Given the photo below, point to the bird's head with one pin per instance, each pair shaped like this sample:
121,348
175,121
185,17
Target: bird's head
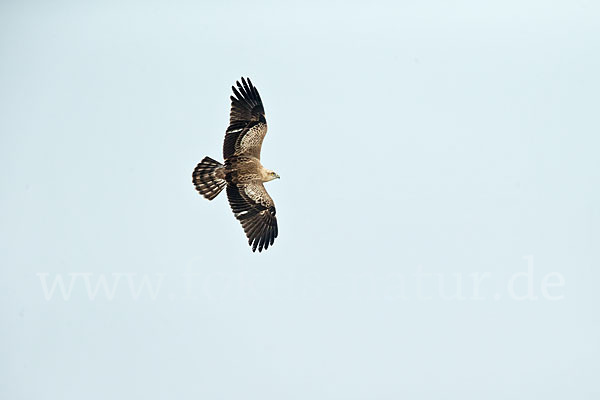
271,175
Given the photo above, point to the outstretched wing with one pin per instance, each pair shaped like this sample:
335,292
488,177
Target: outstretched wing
255,209
247,123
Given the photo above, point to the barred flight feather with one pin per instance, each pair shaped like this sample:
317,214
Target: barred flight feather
205,178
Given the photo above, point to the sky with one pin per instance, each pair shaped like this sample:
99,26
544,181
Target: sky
438,207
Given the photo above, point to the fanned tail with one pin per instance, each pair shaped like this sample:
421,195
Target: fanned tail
209,178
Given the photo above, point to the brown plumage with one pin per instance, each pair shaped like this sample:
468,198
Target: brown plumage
242,173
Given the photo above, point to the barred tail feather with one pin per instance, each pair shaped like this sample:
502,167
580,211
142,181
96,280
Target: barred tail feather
208,178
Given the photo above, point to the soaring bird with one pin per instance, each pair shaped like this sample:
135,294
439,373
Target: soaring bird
242,173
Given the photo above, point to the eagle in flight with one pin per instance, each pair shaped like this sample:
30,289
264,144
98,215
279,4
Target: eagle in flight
242,173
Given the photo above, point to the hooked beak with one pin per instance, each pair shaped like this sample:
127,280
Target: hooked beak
277,176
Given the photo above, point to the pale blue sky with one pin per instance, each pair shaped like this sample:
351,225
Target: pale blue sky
419,143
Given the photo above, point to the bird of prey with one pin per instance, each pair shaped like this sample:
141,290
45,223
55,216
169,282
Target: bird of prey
242,173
